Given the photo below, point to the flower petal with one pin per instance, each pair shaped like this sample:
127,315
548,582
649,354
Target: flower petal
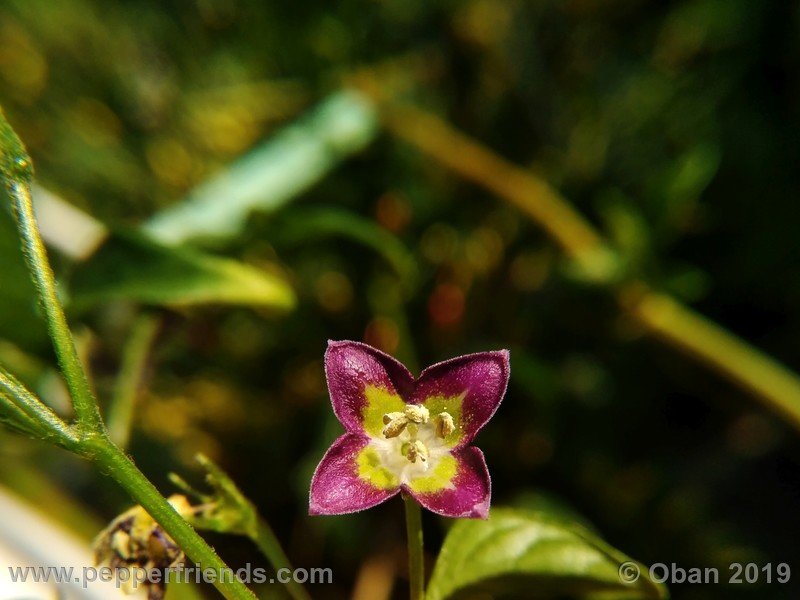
350,478
469,387
466,494
364,384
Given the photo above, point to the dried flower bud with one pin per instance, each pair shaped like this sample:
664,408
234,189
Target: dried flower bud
135,541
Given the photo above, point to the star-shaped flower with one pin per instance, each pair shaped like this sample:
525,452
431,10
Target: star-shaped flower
408,434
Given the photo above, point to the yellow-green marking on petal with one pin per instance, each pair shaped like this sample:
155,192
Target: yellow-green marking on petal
380,401
406,433
439,478
452,406
372,470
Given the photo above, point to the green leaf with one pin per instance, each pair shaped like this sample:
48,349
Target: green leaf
272,174
532,554
128,266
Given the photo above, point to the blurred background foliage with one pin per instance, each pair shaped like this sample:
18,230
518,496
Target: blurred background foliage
220,128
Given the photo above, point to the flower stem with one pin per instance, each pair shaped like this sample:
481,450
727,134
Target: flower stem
416,562
119,467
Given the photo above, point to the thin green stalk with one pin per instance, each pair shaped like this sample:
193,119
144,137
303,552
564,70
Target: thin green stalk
771,383
229,511
33,412
114,462
416,559
268,544
17,172
93,441
719,349
18,184
12,417
129,379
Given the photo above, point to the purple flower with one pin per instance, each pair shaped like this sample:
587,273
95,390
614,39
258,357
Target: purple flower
408,434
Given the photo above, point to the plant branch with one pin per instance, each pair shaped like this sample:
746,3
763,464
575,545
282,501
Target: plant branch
713,345
17,172
114,462
228,510
531,195
92,442
12,417
23,407
662,317
83,400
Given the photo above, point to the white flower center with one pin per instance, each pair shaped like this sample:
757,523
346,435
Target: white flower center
413,442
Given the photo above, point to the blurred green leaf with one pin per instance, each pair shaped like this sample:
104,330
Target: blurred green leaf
531,554
272,174
688,283
627,227
599,266
128,266
692,172
314,224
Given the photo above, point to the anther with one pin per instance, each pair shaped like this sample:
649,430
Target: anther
417,413
417,450
444,425
395,424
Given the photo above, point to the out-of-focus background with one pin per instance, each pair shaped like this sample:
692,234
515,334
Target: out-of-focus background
231,131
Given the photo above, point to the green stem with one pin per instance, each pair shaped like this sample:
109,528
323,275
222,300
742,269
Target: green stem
12,417
32,412
268,544
770,382
36,256
93,441
416,559
134,362
229,511
713,345
113,461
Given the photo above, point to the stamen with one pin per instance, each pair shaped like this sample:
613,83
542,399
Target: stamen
417,413
404,449
417,450
444,425
392,416
414,418
395,424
